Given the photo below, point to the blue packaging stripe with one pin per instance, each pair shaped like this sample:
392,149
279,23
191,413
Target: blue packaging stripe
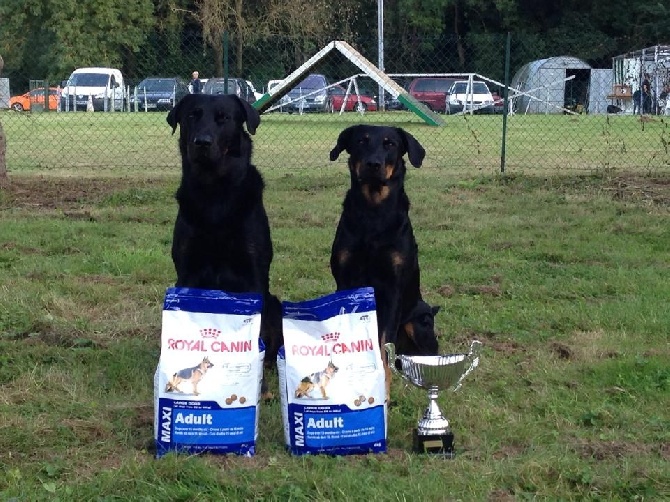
246,449
326,307
199,426
337,430
212,301
362,449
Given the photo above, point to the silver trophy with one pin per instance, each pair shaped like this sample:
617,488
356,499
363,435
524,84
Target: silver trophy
433,433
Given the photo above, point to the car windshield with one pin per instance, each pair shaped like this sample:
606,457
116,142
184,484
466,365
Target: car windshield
89,80
312,82
462,88
480,88
157,84
442,85
218,86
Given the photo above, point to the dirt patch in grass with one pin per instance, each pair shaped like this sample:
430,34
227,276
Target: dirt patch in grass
68,194
496,341
638,188
603,450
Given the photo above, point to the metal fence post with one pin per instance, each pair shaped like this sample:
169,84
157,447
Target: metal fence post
505,104
225,62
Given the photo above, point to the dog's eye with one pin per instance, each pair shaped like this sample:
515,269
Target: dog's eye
222,118
195,114
364,140
389,143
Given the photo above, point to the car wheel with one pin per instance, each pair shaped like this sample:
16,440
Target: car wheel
329,106
361,107
17,107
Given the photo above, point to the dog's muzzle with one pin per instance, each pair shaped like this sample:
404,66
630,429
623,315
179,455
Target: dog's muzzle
203,140
372,171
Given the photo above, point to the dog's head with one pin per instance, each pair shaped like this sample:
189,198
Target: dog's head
206,364
211,128
376,153
331,369
416,335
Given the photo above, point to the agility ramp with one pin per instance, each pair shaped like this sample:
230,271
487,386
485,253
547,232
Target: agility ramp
369,69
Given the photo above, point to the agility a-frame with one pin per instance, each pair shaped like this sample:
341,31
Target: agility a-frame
369,69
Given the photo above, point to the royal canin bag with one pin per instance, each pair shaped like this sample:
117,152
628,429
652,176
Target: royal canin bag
207,384
331,376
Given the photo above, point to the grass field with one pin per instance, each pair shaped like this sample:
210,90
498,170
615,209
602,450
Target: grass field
563,275
101,142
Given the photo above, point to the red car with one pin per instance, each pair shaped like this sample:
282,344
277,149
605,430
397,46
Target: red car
432,91
354,103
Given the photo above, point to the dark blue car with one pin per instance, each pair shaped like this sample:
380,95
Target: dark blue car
159,93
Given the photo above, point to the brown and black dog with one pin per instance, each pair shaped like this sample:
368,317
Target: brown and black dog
320,379
374,244
221,235
192,375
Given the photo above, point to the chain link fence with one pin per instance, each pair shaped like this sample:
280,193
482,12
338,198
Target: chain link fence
561,112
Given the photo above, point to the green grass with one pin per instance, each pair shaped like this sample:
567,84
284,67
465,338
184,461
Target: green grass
100,143
564,277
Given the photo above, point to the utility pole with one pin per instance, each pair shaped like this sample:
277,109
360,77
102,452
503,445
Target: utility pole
380,49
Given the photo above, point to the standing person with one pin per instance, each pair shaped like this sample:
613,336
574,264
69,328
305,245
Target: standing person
196,85
646,98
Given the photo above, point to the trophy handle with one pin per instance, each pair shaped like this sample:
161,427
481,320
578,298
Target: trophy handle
390,352
472,360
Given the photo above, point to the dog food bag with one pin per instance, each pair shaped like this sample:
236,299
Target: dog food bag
331,376
207,385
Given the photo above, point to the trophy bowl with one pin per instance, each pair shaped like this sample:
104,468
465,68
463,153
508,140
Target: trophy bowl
434,373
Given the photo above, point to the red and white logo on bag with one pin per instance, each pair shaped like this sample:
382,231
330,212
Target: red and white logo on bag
207,342
210,332
331,345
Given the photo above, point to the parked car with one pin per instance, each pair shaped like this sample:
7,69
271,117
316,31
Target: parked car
314,90
358,103
237,86
25,101
465,98
432,91
104,87
159,93
391,103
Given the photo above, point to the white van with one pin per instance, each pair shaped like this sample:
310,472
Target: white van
104,86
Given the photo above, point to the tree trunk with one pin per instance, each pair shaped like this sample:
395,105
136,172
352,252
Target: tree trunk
241,30
218,57
3,147
459,42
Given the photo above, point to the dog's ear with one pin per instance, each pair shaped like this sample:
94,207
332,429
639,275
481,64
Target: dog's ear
174,117
253,118
343,141
435,310
415,151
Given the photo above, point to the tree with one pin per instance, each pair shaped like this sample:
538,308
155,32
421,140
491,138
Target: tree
52,37
307,24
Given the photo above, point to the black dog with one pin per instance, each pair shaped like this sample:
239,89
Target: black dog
222,236
374,244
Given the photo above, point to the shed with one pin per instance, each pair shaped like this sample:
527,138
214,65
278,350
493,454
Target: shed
552,85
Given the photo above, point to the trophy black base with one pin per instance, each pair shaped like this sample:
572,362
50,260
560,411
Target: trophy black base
434,444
